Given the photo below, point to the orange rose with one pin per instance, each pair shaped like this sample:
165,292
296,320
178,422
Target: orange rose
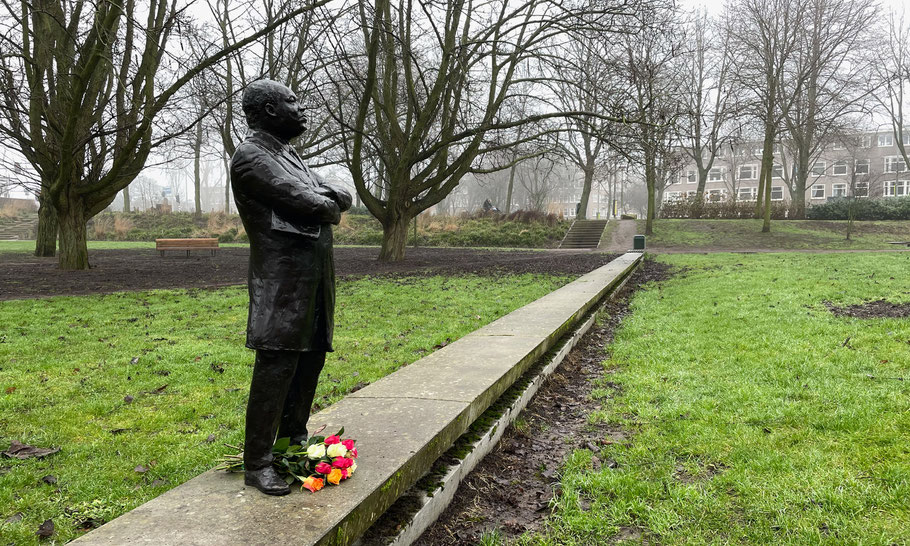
313,483
335,476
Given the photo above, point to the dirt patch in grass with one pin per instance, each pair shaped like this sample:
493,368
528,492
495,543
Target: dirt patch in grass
510,490
23,276
872,309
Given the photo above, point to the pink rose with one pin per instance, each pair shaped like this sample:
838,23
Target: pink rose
323,468
353,453
332,440
342,462
349,444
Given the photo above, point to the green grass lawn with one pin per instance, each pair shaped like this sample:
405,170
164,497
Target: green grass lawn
754,415
68,364
29,246
785,234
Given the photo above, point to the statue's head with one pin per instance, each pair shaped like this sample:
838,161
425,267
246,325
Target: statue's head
272,107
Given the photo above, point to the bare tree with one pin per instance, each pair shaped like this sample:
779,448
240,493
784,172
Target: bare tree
430,82
892,81
709,98
85,87
764,35
825,83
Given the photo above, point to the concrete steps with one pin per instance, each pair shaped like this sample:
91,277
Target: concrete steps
403,423
19,227
584,234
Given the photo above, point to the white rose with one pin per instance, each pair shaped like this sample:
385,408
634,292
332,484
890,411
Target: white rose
337,450
315,451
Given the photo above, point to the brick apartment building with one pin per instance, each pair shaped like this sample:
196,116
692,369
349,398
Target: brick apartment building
874,157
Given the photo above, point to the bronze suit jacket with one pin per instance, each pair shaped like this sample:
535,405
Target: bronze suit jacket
287,211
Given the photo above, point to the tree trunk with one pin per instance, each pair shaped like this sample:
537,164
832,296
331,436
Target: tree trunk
394,239
586,190
227,185
511,184
126,199
766,224
197,175
46,237
73,241
649,182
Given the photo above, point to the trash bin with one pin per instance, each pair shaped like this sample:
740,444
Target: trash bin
638,242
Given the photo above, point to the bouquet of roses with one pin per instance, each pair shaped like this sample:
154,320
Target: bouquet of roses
322,459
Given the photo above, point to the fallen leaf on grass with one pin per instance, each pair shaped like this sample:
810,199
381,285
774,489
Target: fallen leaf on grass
210,439
17,517
128,399
134,360
118,431
159,390
46,529
140,469
49,479
10,390
158,482
19,450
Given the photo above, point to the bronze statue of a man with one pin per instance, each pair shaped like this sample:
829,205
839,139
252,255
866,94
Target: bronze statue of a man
287,211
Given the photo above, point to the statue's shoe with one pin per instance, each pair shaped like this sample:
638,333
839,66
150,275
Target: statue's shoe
266,480
299,440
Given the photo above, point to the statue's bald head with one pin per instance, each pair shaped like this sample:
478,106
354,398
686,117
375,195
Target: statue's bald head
255,98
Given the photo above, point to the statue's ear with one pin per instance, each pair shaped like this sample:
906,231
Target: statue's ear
269,109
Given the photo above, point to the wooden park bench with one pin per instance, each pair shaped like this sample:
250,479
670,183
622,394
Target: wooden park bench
905,243
205,243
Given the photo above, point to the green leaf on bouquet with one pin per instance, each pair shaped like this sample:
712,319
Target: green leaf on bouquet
281,445
340,432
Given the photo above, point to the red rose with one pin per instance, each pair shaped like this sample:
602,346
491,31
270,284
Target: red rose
349,444
323,468
354,453
332,440
342,462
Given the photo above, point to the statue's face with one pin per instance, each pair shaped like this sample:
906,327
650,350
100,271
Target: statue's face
286,114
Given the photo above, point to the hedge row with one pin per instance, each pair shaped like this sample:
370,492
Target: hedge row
727,210
885,208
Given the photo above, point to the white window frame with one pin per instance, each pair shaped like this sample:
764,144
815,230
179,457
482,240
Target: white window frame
906,138
777,189
779,169
720,193
865,141
839,190
837,145
892,162
753,172
818,166
748,194
861,164
839,168
861,189
720,174
897,188
817,191
885,141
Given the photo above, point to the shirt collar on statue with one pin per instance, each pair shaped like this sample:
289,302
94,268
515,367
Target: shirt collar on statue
273,143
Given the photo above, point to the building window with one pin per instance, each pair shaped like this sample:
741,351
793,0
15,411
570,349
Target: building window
748,194
716,174
748,172
716,195
839,168
896,188
672,196
861,166
839,190
885,140
818,191
777,193
895,164
865,141
691,177
861,189
777,171
906,139
837,145
818,168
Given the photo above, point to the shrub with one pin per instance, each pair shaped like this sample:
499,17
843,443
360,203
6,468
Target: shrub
726,210
885,208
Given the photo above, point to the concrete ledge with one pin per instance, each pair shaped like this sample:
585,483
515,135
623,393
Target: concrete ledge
402,423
